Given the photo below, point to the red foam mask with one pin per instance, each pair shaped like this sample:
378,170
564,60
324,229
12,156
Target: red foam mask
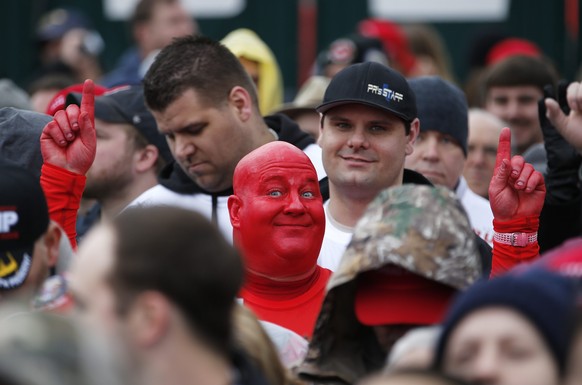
277,212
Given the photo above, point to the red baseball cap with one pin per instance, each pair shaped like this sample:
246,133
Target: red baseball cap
393,295
511,47
59,101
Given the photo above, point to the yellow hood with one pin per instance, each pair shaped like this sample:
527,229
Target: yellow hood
246,43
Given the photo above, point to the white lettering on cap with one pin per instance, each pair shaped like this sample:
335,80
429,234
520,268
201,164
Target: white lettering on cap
385,92
7,219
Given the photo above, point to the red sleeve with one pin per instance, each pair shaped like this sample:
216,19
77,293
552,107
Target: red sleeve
505,257
63,190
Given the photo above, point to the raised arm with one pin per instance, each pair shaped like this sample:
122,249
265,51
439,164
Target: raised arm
516,195
68,145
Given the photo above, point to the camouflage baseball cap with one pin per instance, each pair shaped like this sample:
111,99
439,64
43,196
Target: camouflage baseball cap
422,229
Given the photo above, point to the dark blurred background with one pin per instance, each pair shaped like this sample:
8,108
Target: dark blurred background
297,29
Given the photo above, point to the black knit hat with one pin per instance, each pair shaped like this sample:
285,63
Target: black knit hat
545,299
441,107
372,84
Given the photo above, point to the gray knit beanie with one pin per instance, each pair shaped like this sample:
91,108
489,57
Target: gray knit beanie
442,107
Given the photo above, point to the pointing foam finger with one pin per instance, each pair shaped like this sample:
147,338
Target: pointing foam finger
88,99
504,147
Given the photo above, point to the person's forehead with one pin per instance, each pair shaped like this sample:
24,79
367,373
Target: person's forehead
483,131
300,168
494,321
362,111
514,91
162,9
186,109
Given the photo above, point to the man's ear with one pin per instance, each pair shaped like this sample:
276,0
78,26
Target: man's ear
240,100
414,130
51,241
149,318
146,158
234,206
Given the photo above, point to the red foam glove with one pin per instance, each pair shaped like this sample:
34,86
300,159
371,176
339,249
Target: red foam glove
506,257
516,189
69,140
516,195
63,191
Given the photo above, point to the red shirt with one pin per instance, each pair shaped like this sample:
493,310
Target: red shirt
296,312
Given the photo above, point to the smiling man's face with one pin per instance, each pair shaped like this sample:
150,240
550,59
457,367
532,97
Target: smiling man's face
364,147
277,211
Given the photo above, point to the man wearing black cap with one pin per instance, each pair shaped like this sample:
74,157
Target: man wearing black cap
29,241
368,127
130,151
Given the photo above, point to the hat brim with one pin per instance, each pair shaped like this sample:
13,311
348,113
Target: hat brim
422,306
293,109
104,109
324,107
14,267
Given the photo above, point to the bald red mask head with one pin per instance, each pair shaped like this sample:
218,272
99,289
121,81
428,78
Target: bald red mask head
277,212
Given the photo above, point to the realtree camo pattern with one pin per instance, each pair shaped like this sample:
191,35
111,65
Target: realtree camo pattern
423,229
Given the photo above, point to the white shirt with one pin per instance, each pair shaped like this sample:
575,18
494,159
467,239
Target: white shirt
478,209
335,241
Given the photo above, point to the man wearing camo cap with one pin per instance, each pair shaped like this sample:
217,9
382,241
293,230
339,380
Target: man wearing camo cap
411,252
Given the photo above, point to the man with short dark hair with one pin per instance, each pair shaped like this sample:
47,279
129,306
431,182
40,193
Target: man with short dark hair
206,105
163,281
511,91
368,126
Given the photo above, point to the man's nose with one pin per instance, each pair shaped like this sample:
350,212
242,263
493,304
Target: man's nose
486,368
358,139
430,149
183,148
512,110
294,204
476,156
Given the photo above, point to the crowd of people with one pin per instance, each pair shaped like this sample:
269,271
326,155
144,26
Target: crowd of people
175,222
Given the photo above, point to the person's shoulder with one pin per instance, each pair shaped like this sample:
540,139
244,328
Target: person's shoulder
159,195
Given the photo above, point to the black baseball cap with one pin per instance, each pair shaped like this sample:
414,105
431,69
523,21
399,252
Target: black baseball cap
23,219
126,105
372,84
